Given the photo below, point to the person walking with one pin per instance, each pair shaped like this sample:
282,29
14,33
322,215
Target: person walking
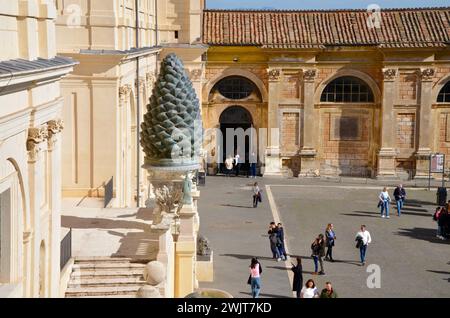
318,252
256,195
442,220
253,161
228,166
384,202
273,239
328,291
281,245
331,238
437,217
400,196
255,277
297,283
309,290
237,164
363,239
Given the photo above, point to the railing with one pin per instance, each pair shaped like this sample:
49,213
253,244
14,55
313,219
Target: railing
66,249
109,188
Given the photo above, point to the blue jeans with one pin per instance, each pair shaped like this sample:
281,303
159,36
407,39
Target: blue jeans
256,286
316,263
385,207
253,169
399,207
362,253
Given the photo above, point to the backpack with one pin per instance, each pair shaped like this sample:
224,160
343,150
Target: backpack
436,215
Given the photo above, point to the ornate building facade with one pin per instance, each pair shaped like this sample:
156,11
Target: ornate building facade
30,149
338,94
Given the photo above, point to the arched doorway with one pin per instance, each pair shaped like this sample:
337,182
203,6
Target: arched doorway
236,122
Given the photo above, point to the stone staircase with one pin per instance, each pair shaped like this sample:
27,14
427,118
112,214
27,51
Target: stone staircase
105,277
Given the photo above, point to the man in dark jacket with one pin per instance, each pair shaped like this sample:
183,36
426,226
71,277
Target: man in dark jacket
328,292
281,247
400,195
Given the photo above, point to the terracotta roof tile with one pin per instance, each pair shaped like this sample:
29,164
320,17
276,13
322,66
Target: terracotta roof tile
424,27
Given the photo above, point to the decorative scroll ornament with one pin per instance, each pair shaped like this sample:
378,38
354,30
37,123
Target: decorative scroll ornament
427,74
36,136
124,91
389,74
196,75
54,127
151,78
309,75
274,75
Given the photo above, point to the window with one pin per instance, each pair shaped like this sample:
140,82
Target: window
236,87
176,35
444,94
347,89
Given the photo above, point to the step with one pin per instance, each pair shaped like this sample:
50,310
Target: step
106,259
107,266
106,282
110,296
85,273
102,291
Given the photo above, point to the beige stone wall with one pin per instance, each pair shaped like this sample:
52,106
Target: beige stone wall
30,153
27,29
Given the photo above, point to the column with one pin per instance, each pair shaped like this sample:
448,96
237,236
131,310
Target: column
308,154
426,129
55,128
387,154
35,147
272,155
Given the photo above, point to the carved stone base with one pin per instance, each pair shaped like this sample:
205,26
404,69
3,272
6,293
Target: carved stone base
272,162
422,163
386,164
309,166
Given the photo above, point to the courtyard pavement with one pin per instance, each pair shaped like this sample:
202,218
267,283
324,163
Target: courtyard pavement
412,261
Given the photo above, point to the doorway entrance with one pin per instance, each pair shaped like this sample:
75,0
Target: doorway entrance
235,122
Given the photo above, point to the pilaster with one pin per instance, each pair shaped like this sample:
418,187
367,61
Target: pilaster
308,154
387,154
426,129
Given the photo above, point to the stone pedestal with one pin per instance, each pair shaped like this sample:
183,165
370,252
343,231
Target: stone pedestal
422,164
169,219
309,166
272,162
185,255
386,164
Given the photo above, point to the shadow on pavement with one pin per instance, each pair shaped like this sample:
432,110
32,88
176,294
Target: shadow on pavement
249,257
236,206
266,295
98,223
422,234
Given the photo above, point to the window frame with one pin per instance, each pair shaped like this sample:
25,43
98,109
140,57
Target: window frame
347,90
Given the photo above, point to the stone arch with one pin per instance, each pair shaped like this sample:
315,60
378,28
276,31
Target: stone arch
439,86
236,72
25,216
349,72
245,115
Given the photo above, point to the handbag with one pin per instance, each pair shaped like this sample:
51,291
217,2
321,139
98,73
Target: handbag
249,281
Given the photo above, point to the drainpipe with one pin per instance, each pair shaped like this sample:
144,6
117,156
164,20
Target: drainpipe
138,111
156,24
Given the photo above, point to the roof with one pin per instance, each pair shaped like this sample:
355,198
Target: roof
400,28
13,67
